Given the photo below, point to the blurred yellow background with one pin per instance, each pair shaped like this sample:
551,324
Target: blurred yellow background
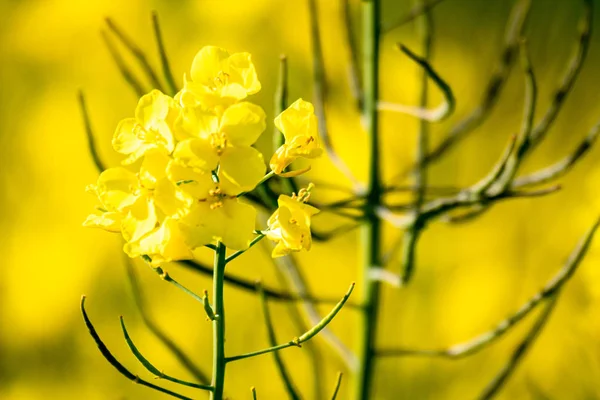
468,278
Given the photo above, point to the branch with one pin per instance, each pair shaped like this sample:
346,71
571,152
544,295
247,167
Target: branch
160,335
291,271
151,368
432,115
164,60
561,167
251,286
296,342
320,94
90,133
126,73
353,74
285,376
116,364
418,10
479,342
137,53
520,351
338,383
468,124
569,77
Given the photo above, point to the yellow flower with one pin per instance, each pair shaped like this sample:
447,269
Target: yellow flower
219,78
217,214
136,203
164,244
289,226
152,127
211,139
298,124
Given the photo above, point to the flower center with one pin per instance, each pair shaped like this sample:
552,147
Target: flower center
219,81
216,197
148,135
218,141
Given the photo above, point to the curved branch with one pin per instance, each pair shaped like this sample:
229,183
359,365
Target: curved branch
151,368
116,364
479,342
432,115
306,336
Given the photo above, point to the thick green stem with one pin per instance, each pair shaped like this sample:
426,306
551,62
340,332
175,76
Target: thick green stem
370,231
218,378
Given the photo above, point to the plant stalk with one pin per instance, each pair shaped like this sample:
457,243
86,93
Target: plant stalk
218,378
371,230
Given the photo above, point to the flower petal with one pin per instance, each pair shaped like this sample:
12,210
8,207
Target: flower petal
238,221
109,221
163,244
153,168
242,72
152,108
197,153
243,123
170,199
116,188
125,140
140,220
201,225
193,181
197,122
207,64
243,166
298,119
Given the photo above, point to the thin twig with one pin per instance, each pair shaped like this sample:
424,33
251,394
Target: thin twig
250,286
290,270
137,53
520,351
485,339
432,115
295,314
116,364
353,74
411,234
156,331
238,253
418,10
570,75
92,147
151,368
561,167
164,60
338,383
126,73
283,372
468,124
306,336
320,94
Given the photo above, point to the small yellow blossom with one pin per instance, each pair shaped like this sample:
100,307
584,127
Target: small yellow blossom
135,203
164,244
219,78
210,139
289,226
298,124
152,127
216,214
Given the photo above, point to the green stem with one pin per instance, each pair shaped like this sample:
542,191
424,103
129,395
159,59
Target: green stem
218,378
240,252
370,231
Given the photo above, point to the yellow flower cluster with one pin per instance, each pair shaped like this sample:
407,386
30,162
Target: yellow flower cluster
189,158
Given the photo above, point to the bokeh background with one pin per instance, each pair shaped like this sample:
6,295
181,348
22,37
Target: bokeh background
468,278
